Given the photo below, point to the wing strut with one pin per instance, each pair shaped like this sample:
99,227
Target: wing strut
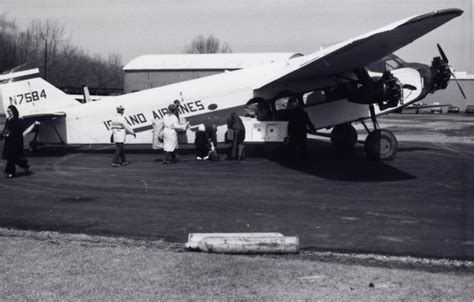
373,117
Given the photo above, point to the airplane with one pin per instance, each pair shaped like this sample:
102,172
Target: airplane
337,86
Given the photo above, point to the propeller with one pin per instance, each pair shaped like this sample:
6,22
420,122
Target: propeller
445,58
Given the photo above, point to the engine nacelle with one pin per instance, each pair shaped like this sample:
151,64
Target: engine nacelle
441,74
386,91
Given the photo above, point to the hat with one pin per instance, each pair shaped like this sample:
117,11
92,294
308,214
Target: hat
120,108
171,108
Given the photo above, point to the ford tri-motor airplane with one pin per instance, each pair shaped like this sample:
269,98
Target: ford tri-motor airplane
338,86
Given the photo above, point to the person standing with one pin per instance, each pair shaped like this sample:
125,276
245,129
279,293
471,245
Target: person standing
299,124
176,104
211,131
120,129
201,142
13,148
236,127
157,132
171,126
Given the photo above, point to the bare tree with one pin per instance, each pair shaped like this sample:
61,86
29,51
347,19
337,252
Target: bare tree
43,40
6,23
43,45
209,44
8,43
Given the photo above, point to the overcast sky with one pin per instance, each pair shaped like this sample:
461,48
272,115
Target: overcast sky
135,27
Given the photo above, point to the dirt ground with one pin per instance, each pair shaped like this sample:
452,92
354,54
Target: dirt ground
49,266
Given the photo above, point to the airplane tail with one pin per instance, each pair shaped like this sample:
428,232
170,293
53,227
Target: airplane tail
31,94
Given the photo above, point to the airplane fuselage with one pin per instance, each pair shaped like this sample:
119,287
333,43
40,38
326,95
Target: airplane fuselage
198,105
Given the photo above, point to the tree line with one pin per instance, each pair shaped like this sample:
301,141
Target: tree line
43,44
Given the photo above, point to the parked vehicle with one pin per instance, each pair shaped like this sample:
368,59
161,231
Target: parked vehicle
415,107
436,108
470,109
453,109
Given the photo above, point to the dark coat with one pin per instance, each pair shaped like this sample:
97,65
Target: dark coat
201,142
235,123
298,124
13,135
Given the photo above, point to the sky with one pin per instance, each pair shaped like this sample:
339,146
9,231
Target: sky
132,28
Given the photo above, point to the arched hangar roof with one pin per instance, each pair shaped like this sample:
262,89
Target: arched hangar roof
229,61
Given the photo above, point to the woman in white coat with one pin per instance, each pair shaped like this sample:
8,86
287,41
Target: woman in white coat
157,141
170,134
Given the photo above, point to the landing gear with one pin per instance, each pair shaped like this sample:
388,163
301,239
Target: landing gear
344,137
380,144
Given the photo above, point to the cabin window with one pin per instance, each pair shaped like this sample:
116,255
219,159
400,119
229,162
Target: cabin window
378,66
391,64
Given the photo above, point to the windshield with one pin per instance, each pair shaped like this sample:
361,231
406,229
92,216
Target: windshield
388,63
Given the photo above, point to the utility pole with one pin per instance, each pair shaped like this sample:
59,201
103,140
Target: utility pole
45,59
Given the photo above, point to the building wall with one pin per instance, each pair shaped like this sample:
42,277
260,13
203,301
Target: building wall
140,80
452,96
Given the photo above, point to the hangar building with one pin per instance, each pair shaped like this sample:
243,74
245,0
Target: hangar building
451,95
150,71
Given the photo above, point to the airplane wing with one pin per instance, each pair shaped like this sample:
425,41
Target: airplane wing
423,107
360,51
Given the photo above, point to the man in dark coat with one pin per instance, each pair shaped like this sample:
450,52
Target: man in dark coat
13,146
299,124
236,126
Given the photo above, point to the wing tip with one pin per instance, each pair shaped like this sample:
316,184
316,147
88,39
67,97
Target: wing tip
455,12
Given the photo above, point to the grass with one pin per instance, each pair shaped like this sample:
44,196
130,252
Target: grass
61,267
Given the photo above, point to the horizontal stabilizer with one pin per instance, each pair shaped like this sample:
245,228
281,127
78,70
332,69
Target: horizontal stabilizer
8,77
44,116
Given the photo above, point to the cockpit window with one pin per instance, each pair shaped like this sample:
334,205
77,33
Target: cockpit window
281,103
378,66
388,63
391,64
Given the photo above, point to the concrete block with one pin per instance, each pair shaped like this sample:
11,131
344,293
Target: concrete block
243,243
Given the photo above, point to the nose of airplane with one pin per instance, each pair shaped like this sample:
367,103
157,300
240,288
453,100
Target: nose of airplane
448,70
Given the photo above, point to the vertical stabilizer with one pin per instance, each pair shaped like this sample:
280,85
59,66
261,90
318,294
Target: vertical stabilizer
31,94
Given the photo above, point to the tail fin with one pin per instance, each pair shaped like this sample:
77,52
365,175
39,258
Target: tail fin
31,94
86,94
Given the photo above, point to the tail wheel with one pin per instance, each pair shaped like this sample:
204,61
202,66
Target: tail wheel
344,137
381,145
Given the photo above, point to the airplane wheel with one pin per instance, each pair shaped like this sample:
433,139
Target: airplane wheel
344,137
381,145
